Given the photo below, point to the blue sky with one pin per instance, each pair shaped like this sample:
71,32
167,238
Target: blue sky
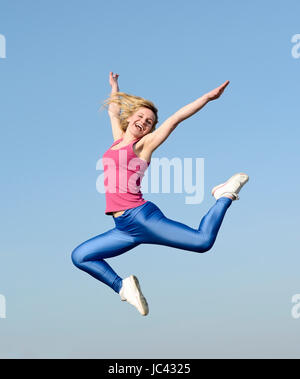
233,302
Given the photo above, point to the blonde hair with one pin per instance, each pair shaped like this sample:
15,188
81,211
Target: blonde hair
128,105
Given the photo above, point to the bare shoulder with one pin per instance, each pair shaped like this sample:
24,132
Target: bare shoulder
143,143
142,148
117,136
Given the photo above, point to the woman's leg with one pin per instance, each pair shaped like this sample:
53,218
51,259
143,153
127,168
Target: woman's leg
89,256
158,229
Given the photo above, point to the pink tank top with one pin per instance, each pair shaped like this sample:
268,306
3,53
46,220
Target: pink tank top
123,173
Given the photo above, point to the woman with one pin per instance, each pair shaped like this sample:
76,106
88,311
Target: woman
137,221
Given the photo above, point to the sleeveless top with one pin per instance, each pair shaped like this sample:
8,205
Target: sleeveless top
123,173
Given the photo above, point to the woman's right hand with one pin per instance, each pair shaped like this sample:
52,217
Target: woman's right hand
113,79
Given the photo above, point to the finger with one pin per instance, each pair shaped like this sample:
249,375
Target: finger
225,84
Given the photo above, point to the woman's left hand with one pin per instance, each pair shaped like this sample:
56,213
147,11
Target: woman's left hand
113,79
217,92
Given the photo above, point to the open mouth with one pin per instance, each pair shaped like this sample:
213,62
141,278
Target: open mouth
139,127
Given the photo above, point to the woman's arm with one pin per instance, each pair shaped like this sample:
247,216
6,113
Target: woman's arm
114,109
156,138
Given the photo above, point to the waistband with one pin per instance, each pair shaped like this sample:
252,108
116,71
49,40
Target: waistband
132,212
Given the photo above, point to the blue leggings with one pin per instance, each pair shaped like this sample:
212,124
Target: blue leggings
146,224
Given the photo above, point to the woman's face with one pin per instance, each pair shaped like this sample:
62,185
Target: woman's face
141,122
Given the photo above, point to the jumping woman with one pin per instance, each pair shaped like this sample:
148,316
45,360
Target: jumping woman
138,221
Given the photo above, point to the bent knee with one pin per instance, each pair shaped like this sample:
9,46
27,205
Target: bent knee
77,257
205,245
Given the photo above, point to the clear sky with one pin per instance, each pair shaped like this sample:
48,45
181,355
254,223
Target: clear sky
232,302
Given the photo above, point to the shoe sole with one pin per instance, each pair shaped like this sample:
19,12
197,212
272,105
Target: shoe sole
223,184
144,309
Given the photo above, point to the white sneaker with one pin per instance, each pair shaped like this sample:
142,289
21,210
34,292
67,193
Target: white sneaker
232,187
131,292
